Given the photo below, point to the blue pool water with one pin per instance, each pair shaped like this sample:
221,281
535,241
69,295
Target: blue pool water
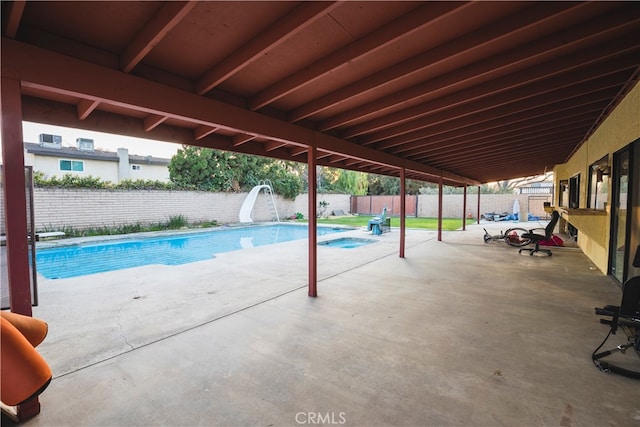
347,242
79,260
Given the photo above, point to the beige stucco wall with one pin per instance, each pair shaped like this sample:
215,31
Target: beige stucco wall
105,170
618,130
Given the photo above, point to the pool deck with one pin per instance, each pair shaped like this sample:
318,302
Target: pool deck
458,333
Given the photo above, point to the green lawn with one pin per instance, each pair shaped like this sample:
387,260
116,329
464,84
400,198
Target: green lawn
425,223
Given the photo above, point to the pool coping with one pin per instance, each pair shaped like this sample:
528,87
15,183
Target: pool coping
74,241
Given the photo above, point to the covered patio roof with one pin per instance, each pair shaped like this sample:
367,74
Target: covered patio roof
466,92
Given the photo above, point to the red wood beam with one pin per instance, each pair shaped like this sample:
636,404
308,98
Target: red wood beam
272,145
464,208
169,15
440,199
15,204
86,107
503,63
242,139
505,140
479,188
403,210
13,17
153,120
202,131
296,151
292,23
566,70
536,102
74,77
424,16
313,239
415,142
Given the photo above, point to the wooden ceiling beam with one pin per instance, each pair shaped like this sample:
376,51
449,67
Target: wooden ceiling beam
507,140
527,100
292,23
153,120
468,127
466,139
425,15
81,79
169,15
202,131
11,20
242,139
273,145
519,58
86,107
563,71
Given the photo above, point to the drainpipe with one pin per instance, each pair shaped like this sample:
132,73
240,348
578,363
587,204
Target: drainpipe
311,191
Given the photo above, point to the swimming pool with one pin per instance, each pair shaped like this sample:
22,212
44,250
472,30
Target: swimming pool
98,257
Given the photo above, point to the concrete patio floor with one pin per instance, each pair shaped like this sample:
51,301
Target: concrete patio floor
459,333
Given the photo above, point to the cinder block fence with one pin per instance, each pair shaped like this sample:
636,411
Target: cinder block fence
85,208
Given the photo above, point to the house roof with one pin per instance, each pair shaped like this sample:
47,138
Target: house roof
105,156
468,91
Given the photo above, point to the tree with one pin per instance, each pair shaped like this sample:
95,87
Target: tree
334,180
215,170
389,185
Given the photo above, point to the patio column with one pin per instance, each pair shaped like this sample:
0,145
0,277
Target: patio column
478,204
313,248
464,208
403,211
16,216
440,209
15,198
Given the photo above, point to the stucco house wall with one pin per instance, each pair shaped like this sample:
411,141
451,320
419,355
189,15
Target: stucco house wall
620,128
108,166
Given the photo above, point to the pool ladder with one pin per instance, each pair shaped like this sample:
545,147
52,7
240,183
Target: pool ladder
271,201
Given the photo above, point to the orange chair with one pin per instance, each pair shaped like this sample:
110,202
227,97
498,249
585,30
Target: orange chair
24,373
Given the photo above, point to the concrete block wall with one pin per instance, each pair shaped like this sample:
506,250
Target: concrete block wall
452,204
85,208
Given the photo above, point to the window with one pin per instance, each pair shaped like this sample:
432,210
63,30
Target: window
72,165
135,167
599,183
563,197
574,192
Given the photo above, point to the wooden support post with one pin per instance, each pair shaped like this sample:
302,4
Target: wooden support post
464,208
440,209
478,204
15,205
403,210
313,248
15,199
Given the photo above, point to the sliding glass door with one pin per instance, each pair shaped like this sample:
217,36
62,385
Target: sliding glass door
625,213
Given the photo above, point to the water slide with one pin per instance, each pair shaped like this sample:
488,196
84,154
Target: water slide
247,206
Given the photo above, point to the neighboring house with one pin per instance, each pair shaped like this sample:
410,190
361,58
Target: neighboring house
52,159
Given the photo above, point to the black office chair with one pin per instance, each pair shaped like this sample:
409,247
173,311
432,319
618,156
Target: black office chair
537,238
625,316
